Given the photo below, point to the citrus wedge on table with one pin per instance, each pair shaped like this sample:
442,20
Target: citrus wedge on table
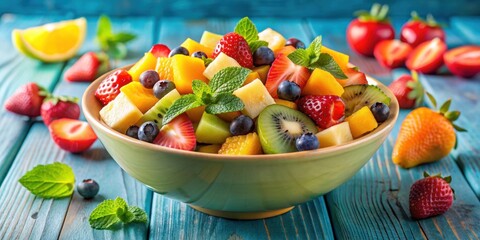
52,42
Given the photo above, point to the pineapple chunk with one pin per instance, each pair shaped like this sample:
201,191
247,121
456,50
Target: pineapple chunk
322,83
255,97
120,113
148,62
193,46
242,145
361,122
210,39
221,61
335,135
275,40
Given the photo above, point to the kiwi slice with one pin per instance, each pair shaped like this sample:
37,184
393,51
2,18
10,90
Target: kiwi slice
278,127
158,110
358,96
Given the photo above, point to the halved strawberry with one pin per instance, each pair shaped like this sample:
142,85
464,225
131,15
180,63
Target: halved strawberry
463,61
354,77
178,133
392,53
160,50
72,135
283,69
427,57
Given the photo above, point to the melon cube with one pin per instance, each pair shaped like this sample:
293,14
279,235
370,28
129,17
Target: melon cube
335,135
141,97
322,83
210,39
120,113
185,70
341,58
255,97
148,62
193,46
211,129
221,61
361,122
275,40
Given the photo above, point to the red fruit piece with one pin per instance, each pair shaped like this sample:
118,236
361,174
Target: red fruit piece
463,61
408,91
236,47
392,53
160,50
87,67
72,135
59,107
430,196
109,88
26,100
325,110
427,57
354,77
283,69
178,133
418,30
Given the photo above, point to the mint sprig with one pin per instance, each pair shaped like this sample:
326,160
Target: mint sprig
111,214
312,58
247,29
112,43
216,96
54,180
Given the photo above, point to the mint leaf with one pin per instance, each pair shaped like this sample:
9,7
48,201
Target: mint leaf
247,29
104,31
138,213
109,214
314,49
225,102
256,44
122,37
200,88
228,79
300,57
117,50
327,63
54,180
112,43
180,106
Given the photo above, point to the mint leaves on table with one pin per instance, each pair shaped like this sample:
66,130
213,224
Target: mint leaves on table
110,214
112,43
248,30
216,96
312,58
54,180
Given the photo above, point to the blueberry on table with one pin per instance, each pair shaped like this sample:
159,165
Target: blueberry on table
380,111
199,54
132,131
148,131
295,43
241,125
289,91
149,78
162,87
179,50
263,56
307,141
88,188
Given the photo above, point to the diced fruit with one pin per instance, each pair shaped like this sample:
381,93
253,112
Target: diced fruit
463,61
236,47
157,112
199,54
110,87
322,83
195,114
148,62
340,58
262,72
212,130
408,91
354,77
221,61
289,91
185,70
250,78
178,134
179,51
209,148
120,113
392,53
210,39
242,125
72,135
149,78
295,43
285,103
278,127
325,110
142,97
242,145
229,116
59,107
307,141
193,46
160,50
164,68
427,57
335,135
26,100
361,122
255,97
275,40
148,131
162,88
263,56
88,188
132,131
380,111
358,96
87,67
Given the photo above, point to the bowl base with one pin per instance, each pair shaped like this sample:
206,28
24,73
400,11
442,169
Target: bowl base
242,215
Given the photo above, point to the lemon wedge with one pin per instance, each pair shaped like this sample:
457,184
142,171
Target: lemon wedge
52,42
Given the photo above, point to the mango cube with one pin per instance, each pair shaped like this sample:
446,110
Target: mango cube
148,62
262,72
335,135
286,103
210,39
164,68
250,77
209,148
275,40
242,145
120,113
221,61
361,122
322,83
341,58
255,97
141,97
193,46
185,70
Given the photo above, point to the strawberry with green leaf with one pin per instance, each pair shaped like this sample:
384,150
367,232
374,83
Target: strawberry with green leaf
408,90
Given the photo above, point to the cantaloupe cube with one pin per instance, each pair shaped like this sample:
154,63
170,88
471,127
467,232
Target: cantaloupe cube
286,103
250,77
335,135
275,40
221,61
210,39
148,62
341,58
242,145
255,97
141,97
322,83
120,113
185,70
262,72
193,46
361,122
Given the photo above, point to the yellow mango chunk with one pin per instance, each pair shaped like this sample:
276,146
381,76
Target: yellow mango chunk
193,46
210,39
250,77
164,68
209,148
185,70
255,97
361,122
195,114
322,83
120,113
141,97
242,145
286,103
341,58
275,40
262,72
148,62
229,116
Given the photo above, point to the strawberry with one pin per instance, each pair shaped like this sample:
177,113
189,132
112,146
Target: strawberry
236,47
27,100
408,91
355,77
430,196
325,110
72,135
283,69
392,53
160,50
87,67
178,134
109,88
59,107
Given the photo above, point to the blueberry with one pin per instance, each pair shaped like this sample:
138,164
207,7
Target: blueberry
289,91
199,54
263,56
162,87
179,50
149,78
148,131
132,131
308,141
295,43
241,125
380,111
88,188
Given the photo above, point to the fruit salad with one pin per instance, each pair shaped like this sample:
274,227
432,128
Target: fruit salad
242,93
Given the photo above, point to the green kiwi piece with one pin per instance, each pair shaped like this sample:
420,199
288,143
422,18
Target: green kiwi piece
158,110
212,129
278,128
358,96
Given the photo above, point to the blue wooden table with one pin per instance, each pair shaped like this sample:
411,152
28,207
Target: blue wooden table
372,205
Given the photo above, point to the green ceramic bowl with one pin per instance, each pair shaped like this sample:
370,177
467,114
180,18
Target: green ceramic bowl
241,187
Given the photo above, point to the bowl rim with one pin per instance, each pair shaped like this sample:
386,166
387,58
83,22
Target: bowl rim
384,128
